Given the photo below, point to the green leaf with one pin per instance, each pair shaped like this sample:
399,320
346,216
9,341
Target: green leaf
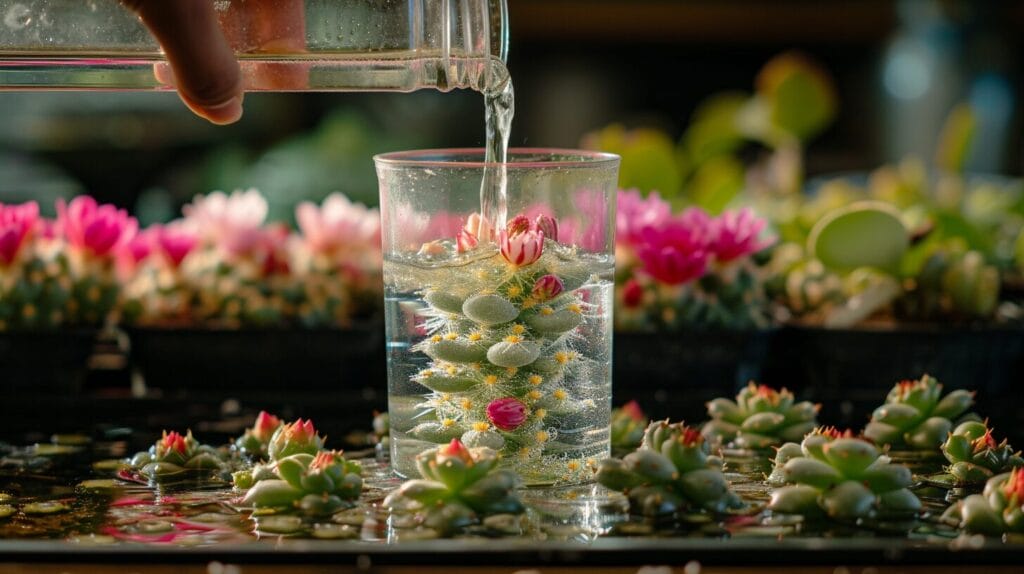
864,234
955,139
800,95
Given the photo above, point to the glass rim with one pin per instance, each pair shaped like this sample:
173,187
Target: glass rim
579,158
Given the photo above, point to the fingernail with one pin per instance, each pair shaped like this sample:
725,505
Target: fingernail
227,113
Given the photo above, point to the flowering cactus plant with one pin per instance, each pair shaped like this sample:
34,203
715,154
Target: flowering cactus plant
501,336
916,415
460,487
999,509
316,484
841,478
673,471
628,426
760,417
975,456
256,440
689,269
174,456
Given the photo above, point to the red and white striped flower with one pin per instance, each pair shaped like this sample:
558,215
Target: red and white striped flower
521,248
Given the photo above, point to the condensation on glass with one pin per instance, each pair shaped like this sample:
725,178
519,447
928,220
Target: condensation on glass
282,45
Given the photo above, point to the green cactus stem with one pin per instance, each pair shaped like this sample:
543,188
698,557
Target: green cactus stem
628,425
975,456
319,485
460,487
673,471
177,457
840,478
998,510
916,415
759,418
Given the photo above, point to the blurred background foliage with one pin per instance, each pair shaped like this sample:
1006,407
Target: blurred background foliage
706,100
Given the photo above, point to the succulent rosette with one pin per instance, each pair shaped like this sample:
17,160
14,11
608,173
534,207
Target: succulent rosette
690,269
759,418
998,510
460,487
299,437
975,456
916,415
502,342
628,425
673,471
318,484
813,441
176,457
255,441
841,478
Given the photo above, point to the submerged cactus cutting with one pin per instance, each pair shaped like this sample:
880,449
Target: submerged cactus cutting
174,456
841,478
760,417
975,456
511,338
673,471
628,425
460,486
914,416
997,510
320,484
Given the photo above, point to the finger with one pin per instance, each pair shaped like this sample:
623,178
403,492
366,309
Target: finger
206,72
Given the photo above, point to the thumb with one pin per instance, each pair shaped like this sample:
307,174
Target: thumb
206,72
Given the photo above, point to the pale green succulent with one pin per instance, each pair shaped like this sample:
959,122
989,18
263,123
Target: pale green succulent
997,510
321,484
916,415
673,471
177,457
760,417
975,456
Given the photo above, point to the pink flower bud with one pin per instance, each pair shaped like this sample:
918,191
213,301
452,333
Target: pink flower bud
506,413
455,449
97,229
265,426
549,225
632,410
465,241
519,224
173,442
17,223
547,287
521,248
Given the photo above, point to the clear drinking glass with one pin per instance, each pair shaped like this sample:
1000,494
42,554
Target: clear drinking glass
282,45
503,338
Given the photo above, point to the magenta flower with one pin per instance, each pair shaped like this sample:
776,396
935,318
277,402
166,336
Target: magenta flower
737,234
338,225
233,222
676,252
547,287
174,241
635,214
17,223
97,229
506,413
519,224
522,248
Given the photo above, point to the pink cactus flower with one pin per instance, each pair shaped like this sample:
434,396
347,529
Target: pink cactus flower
338,225
521,248
548,225
676,253
17,224
519,224
265,426
547,287
173,442
737,234
232,222
506,413
174,241
455,449
100,230
632,293
635,213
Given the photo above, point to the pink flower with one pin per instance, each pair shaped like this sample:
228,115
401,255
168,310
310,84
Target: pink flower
93,228
174,241
17,223
465,241
676,252
519,224
736,234
506,413
547,224
173,442
634,214
522,248
265,426
338,224
547,287
300,431
632,293
232,222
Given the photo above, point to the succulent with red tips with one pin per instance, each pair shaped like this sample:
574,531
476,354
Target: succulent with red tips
975,456
319,484
759,417
998,510
255,440
173,456
916,415
628,425
294,438
673,471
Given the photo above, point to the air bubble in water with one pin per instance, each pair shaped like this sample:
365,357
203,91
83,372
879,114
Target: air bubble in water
18,16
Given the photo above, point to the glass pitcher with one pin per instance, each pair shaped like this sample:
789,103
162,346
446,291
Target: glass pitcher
282,45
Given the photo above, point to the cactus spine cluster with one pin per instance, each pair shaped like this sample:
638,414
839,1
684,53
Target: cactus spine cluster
975,456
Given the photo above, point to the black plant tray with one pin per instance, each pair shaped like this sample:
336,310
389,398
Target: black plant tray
211,361
674,374
44,362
